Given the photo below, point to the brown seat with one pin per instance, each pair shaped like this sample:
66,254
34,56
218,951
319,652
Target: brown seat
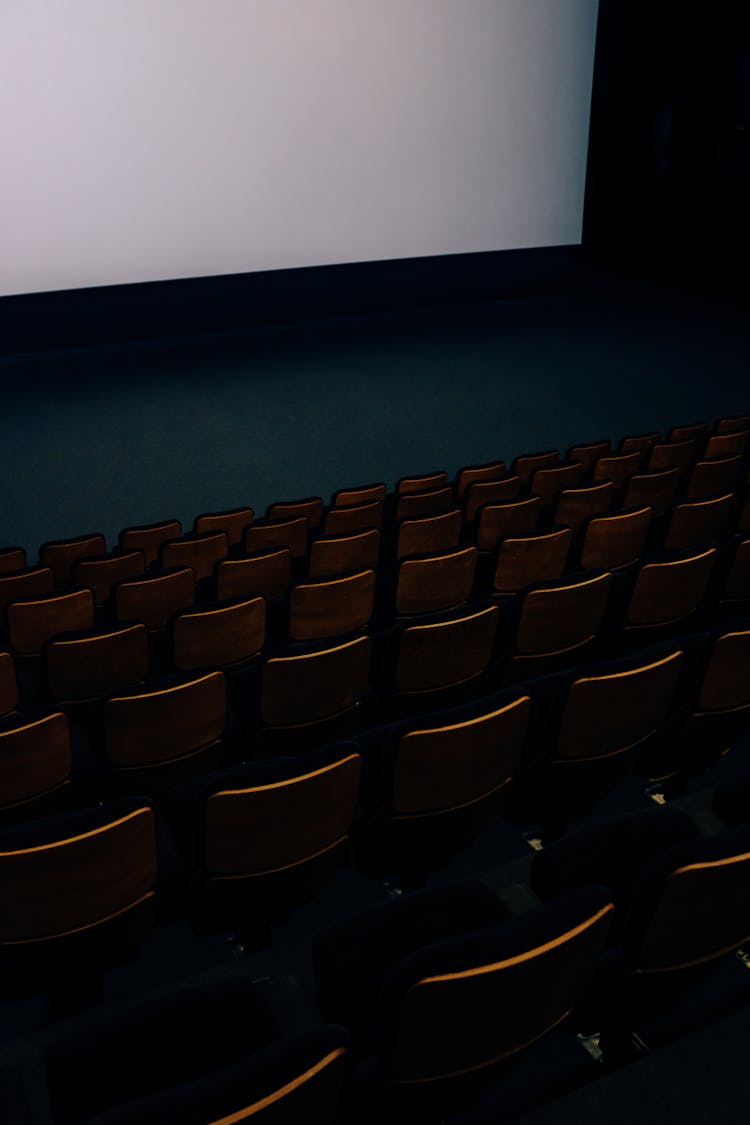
713,478
312,687
501,521
310,509
272,839
447,653
672,455
668,592
60,554
427,482
263,537
429,534
743,524
268,574
528,463
77,892
446,784
556,620
547,483
12,559
200,552
736,588
91,664
576,505
435,582
103,573
412,505
159,737
535,557
588,453
354,497
331,608
640,443
219,636
698,523
732,425
149,538
31,623
470,474
461,1010
656,489
618,467
716,716
695,432
616,540
356,517
725,445
334,556
35,767
606,721
155,600
234,522
34,582
490,492
8,684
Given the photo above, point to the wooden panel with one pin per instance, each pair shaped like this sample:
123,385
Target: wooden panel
617,468
493,470
435,583
200,553
416,504
641,444
604,714
576,505
60,554
427,482
155,600
498,521
334,556
149,538
357,517
445,767
233,522
656,489
726,683
310,509
32,623
157,726
536,558
267,574
712,478
696,433
697,523
271,826
529,463
315,686
491,492
616,540
364,494
220,637
588,453
261,538
78,881
725,445
90,667
32,583
12,558
548,482
34,757
672,455
433,533
101,575
669,591
450,652
333,608
732,425
561,618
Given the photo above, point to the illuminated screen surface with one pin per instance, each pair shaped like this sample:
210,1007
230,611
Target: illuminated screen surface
155,139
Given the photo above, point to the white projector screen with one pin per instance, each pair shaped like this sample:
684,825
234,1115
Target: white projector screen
155,139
